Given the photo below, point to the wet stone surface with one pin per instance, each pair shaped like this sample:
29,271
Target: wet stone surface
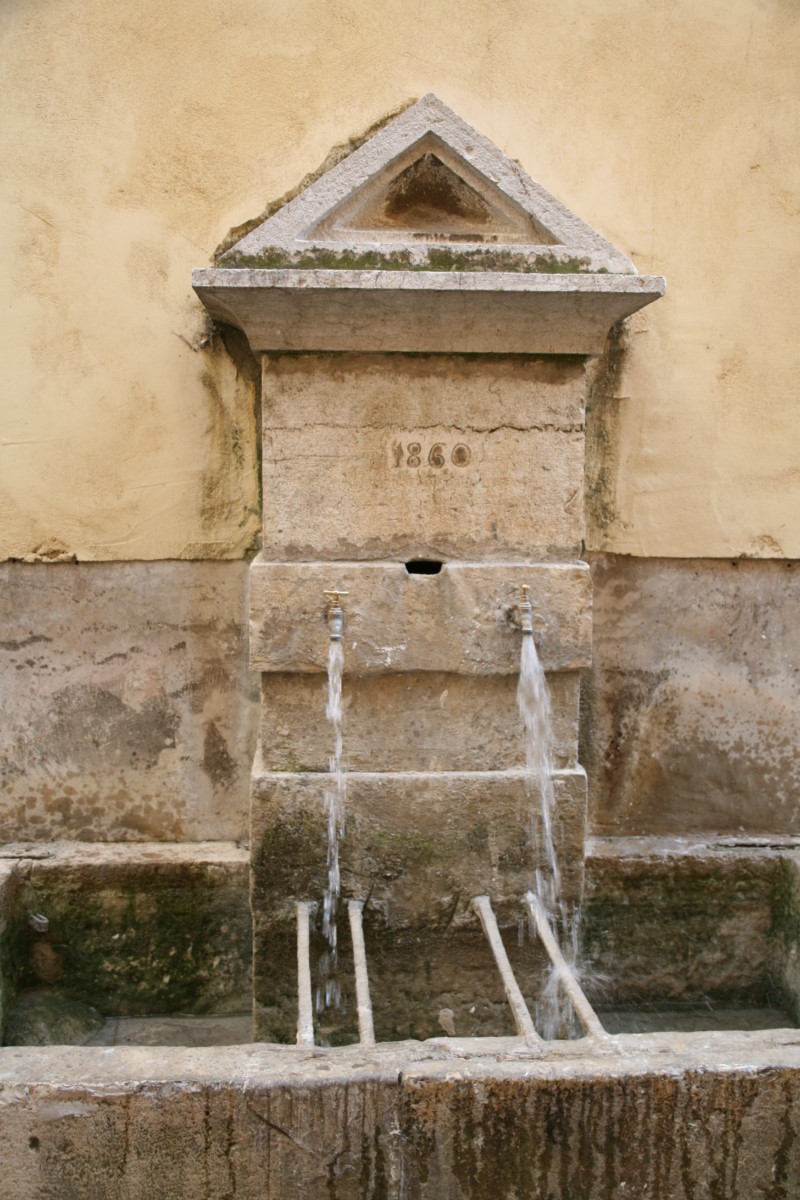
652,1019
48,1018
51,1019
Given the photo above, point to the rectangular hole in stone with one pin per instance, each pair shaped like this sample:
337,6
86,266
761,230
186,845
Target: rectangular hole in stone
423,566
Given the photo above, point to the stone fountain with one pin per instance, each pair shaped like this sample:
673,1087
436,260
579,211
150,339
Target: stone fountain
424,313
423,451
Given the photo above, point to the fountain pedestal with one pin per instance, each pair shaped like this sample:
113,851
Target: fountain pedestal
423,451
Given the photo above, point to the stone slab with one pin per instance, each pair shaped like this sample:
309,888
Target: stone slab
415,721
692,709
671,920
9,889
388,456
439,312
134,1123
128,710
460,620
420,845
480,1132
132,929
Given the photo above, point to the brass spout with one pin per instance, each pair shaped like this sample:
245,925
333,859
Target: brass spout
523,613
335,613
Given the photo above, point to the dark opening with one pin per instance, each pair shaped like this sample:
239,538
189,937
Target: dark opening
423,566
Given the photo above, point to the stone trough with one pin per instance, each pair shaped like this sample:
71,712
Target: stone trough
696,1112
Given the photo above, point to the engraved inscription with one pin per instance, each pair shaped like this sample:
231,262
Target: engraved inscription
438,455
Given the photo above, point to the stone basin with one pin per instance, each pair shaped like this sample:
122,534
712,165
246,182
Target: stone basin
687,1113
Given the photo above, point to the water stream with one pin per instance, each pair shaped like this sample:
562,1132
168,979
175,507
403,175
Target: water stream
554,1012
329,993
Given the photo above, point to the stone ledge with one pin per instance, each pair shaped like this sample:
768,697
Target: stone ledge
460,620
423,311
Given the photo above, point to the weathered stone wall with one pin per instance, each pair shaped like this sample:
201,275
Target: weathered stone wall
128,711
137,719
691,712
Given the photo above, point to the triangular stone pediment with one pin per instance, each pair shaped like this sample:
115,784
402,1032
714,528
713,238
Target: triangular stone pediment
427,190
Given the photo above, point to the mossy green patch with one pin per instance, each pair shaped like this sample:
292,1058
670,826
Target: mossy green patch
785,927
393,853
289,861
152,946
437,258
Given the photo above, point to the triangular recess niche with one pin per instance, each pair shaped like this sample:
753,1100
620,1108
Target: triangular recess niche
431,195
428,180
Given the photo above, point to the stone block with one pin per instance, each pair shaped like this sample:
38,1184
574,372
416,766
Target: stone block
128,710
389,456
419,845
692,709
673,921
132,929
415,721
9,909
460,620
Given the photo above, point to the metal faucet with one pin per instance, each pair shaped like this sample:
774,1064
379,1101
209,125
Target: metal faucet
523,613
335,614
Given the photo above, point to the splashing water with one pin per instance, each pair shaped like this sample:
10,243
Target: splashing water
329,994
533,698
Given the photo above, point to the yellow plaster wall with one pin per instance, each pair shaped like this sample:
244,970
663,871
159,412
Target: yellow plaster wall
134,136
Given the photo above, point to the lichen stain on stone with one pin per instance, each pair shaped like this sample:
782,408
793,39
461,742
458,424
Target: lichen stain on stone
97,722
231,382
603,420
433,258
687,1136
171,939
290,859
217,763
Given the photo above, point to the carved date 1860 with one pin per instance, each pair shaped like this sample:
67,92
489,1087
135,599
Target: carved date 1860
412,454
